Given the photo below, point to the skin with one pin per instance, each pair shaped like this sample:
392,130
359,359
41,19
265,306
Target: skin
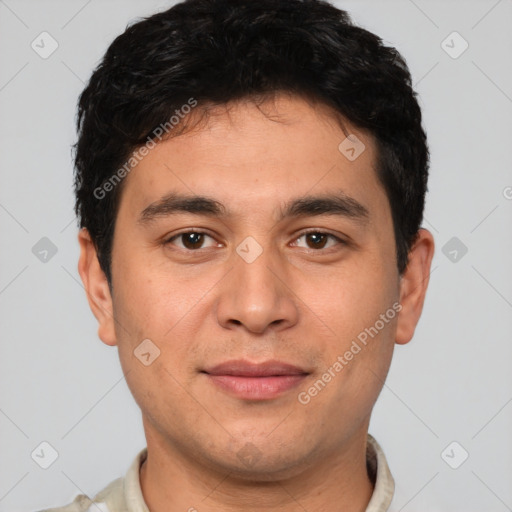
296,302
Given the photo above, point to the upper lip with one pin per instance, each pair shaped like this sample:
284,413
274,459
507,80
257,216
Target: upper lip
244,368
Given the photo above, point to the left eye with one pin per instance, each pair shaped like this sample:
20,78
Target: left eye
190,240
318,240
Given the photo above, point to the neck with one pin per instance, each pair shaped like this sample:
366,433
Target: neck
172,482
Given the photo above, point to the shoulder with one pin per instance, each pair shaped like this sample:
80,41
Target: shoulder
115,496
110,499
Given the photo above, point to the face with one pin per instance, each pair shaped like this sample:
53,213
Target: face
286,255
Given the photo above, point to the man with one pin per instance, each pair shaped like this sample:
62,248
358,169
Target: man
250,182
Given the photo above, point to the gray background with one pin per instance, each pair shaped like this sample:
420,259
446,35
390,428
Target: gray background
60,384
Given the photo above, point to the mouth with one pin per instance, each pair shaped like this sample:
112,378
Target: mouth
255,381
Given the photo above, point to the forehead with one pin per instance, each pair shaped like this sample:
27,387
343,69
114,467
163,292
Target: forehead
258,154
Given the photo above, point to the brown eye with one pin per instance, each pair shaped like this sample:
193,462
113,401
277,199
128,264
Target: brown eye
190,240
317,240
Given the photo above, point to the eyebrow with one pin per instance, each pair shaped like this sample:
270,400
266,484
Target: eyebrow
326,204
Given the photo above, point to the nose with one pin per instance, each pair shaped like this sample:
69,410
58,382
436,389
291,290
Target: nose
257,296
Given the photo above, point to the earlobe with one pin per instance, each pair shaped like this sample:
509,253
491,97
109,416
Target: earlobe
413,285
96,288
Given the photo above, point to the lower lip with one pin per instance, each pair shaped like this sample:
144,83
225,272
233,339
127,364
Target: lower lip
256,388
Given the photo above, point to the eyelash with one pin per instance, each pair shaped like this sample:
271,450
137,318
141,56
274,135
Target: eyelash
339,241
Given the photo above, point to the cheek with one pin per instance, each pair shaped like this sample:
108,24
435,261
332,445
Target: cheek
355,299
158,389
360,308
149,301
156,314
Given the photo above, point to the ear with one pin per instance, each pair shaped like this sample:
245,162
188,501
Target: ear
96,288
413,285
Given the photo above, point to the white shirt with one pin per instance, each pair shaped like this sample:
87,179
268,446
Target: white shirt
125,494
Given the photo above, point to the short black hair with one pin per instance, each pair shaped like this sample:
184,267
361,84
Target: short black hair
216,51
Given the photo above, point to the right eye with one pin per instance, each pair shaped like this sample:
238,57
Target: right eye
189,240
